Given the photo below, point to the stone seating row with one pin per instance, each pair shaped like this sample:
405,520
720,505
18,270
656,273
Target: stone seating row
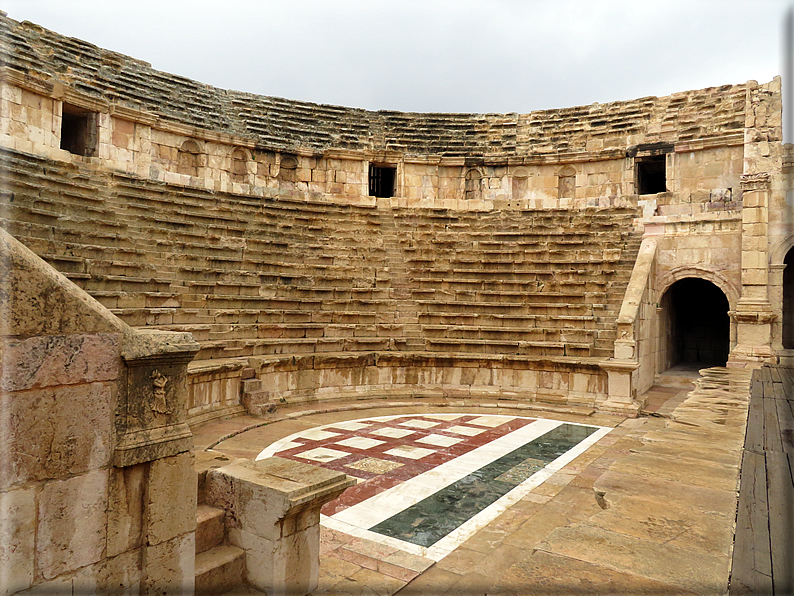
165,270
277,122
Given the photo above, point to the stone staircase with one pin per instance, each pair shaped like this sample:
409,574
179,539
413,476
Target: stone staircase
219,567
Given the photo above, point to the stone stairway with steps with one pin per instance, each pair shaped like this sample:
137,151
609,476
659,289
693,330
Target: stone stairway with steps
219,566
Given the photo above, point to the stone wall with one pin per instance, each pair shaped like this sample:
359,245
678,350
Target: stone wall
253,203
83,509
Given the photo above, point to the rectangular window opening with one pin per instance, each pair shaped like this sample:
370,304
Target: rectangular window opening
651,175
381,181
78,131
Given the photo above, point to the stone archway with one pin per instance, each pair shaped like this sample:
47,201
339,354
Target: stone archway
695,324
788,301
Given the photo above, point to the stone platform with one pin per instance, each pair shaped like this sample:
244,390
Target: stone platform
648,506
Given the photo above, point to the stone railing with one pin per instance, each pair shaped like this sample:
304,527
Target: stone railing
630,371
98,486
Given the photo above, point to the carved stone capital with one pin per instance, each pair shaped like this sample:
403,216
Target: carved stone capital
757,181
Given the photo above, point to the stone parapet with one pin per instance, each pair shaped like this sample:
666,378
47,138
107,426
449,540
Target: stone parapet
97,484
273,513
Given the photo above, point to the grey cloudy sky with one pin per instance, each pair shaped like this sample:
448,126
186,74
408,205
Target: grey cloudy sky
436,55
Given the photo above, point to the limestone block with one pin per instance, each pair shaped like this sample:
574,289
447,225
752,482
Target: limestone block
11,93
749,334
72,523
752,259
273,508
59,360
259,495
281,567
756,277
57,432
119,575
17,532
126,490
169,567
171,498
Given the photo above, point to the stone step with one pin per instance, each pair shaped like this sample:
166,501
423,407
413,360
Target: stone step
210,528
219,570
531,348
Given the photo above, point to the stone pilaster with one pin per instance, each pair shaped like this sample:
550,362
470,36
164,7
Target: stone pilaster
151,413
753,315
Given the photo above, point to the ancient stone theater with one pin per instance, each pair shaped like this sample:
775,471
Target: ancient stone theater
178,257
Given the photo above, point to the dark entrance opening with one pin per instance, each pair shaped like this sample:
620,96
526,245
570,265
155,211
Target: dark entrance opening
78,131
697,324
788,301
651,175
381,181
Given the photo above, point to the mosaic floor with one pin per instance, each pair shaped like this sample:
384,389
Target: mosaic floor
428,482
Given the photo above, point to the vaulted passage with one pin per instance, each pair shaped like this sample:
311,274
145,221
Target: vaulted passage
696,324
788,301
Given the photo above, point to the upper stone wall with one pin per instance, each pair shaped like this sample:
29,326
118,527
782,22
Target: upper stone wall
277,123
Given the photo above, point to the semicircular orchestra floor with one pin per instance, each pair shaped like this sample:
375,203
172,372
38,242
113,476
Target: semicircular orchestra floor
479,498
429,477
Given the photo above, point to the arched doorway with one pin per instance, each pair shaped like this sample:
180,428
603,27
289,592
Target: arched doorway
788,301
696,325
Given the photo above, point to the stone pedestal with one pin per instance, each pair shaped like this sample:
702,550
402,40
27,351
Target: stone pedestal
273,513
753,335
151,414
622,393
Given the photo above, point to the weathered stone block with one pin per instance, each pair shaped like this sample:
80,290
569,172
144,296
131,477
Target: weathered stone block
60,360
273,510
171,498
17,532
281,567
56,432
126,492
169,567
72,523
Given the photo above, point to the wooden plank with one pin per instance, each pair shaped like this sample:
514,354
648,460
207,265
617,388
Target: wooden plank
785,420
771,426
754,438
778,391
781,526
766,374
787,376
751,567
774,373
756,386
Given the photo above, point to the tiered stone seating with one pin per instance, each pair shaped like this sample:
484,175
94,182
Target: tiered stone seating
280,123
280,277
533,283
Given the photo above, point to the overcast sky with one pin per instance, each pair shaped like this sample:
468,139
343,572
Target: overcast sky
436,55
